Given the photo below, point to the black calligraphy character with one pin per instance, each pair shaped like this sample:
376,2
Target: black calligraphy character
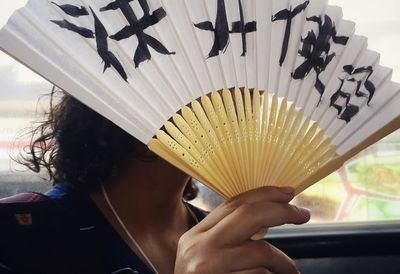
316,50
137,26
100,34
73,11
288,14
349,110
352,74
243,28
368,85
221,30
102,48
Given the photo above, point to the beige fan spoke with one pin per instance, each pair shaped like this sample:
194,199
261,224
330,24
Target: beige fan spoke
290,145
219,147
241,118
257,136
222,124
283,142
200,152
180,147
269,138
237,139
276,136
211,149
250,134
264,134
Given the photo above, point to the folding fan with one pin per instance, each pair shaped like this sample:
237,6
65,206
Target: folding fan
238,94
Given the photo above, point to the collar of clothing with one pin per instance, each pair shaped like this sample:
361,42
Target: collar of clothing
117,256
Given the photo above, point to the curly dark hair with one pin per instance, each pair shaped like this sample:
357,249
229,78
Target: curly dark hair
75,144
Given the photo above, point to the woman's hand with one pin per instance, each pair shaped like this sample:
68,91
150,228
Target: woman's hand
221,242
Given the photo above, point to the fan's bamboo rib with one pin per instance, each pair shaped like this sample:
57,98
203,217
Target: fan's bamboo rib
277,135
311,160
311,165
336,163
268,125
161,150
164,152
231,112
200,153
292,141
212,148
250,134
328,156
212,116
264,134
182,146
244,161
296,145
272,123
248,130
308,148
234,128
224,125
322,151
301,151
223,122
241,118
242,127
257,139
283,142
182,153
219,147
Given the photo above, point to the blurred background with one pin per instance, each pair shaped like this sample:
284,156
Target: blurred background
367,188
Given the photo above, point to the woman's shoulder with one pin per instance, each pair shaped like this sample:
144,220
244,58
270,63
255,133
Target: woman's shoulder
40,236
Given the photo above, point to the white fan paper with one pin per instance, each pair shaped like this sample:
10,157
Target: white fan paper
240,93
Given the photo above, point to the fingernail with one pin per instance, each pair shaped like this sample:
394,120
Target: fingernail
287,190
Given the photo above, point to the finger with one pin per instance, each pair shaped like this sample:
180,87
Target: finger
260,254
268,193
253,271
279,263
273,194
248,219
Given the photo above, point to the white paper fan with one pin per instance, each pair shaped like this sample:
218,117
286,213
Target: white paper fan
239,94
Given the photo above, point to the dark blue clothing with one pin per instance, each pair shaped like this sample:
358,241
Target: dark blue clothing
66,234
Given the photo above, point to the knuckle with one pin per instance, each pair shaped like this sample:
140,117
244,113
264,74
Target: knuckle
263,248
196,265
231,204
186,246
183,239
246,209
